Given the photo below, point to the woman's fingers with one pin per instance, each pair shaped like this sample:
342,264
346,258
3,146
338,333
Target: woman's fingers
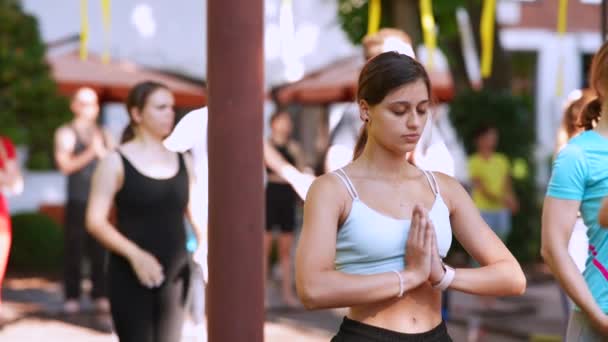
414,227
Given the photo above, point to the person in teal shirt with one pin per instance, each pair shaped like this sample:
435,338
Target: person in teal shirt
579,181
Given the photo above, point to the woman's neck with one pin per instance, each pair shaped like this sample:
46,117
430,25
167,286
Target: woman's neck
149,141
279,139
602,124
83,124
384,164
486,153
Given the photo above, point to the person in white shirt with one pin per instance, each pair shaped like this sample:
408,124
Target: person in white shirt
190,134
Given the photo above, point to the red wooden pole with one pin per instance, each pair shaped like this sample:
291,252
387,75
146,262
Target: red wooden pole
235,74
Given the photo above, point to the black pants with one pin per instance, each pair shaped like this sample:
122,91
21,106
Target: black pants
355,331
147,315
77,243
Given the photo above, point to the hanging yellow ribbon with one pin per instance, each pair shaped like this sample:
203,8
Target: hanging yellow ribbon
107,21
487,36
84,28
562,17
562,24
374,13
428,30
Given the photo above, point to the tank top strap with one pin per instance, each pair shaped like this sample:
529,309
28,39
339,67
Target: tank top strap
435,182
126,164
349,185
182,162
430,177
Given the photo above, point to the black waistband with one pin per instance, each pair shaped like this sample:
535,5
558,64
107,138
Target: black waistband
349,326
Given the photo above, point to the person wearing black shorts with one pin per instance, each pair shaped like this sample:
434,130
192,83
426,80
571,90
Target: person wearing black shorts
281,204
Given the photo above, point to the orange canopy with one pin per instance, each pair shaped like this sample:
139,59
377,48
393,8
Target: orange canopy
113,81
338,83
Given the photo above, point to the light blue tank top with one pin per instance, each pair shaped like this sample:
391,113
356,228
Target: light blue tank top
370,242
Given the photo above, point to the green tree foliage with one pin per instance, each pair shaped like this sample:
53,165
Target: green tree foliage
30,106
353,15
512,117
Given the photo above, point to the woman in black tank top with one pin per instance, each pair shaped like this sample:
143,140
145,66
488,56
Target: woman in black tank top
149,185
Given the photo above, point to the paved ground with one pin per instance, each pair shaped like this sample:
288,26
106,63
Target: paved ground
33,304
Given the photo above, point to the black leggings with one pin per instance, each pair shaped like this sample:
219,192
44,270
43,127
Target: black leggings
355,331
77,243
147,315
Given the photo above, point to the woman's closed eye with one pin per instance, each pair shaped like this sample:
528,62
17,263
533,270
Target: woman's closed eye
401,109
422,110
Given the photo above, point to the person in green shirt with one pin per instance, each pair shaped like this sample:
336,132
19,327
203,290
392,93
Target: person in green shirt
492,190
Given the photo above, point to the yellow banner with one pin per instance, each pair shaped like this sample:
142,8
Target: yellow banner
562,26
428,30
562,17
374,14
107,22
487,36
84,28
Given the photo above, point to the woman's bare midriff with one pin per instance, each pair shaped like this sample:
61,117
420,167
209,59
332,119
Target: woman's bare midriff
418,311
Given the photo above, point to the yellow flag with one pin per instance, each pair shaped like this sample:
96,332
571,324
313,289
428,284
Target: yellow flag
487,36
374,13
84,28
562,17
107,22
428,30
562,25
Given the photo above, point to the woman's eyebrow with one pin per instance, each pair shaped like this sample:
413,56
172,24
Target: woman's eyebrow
407,103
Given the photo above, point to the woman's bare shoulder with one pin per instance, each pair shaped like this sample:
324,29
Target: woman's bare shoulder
328,186
451,190
111,163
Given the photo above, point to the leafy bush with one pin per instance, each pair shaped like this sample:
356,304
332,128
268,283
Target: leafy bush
513,118
37,243
30,105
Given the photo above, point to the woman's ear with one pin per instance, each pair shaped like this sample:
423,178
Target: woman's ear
135,114
364,111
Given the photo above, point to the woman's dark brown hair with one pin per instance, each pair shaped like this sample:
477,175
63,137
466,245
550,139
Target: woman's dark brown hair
382,75
598,81
137,98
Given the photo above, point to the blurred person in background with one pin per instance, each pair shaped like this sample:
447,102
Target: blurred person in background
190,134
579,182
490,173
149,185
79,145
11,183
281,203
493,195
570,125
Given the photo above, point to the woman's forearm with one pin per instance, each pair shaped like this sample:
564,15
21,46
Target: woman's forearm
109,237
334,289
571,280
504,278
